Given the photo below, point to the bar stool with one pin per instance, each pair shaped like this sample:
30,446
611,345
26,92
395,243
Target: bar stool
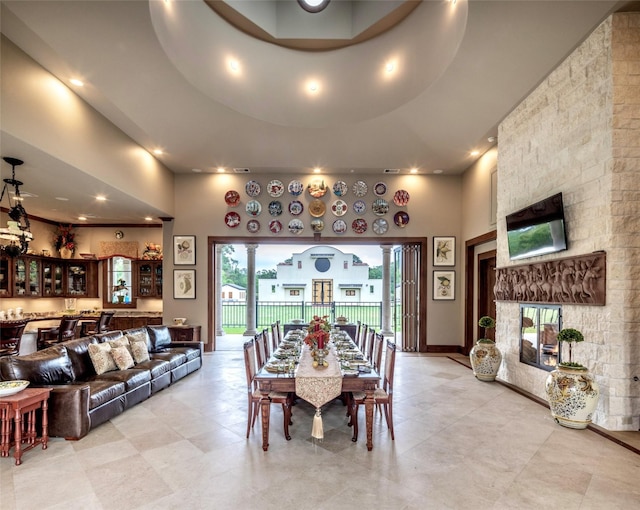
11,336
65,331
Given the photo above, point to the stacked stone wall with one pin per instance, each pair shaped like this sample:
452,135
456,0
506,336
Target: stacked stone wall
579,133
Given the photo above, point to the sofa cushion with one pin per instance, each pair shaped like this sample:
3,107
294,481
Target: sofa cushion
157,367
190,352
78,351
102,391
48,366
159,336
109,335
175,359
101,358
131,377
122,357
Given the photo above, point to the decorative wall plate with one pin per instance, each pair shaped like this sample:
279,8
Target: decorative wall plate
380,207
380,226
275,226
252,188
340,189
296,207
232,219
401,219
295,188
339,207
359,207
232,198
317,225
253,208
380,188
275,208
317,188
253,226
339,226
359,225
360,188
296,226
317,208
401,198
275,188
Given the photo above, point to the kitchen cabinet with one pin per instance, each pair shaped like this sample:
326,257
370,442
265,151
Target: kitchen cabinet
148,274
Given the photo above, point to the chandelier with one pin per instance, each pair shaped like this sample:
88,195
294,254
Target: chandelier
16,235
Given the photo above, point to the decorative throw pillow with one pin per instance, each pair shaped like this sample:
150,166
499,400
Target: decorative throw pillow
139,351
120,342
122,357
101,358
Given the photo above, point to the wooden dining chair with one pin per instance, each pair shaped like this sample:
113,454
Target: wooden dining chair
274,337
66,330
377,352
356,338
371,340
382,396
254,395
362,338
11,337
261,355
267,344
279,331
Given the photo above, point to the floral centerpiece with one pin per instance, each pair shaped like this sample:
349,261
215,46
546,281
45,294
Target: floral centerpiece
318,332
64,238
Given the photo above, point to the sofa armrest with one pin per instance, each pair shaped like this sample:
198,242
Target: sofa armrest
69,411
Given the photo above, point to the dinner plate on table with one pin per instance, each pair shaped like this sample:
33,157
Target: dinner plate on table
12,387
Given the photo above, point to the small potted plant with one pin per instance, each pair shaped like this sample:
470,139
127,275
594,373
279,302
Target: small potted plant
571,336
571,391
485,357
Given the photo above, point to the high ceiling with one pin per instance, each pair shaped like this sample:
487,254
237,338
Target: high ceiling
423,91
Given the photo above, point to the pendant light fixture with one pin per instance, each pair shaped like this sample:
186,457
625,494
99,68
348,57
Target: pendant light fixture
16,236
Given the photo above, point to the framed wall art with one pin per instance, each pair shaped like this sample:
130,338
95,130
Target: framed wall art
184,284
444,251
444,285
184,250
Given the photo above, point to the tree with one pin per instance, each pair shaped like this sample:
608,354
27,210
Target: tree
231,273
375,273
267,274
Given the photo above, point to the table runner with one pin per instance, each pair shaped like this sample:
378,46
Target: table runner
318,385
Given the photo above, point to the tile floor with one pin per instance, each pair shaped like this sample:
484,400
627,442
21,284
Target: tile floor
460,444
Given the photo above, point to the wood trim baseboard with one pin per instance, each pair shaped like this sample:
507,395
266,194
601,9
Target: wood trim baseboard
444,349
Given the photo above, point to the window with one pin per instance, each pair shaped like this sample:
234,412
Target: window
346,265
371,289
118,280
350,292
230,295
223,295
294,292
273,289
299,264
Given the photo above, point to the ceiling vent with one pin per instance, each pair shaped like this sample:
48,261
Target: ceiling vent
241,170
391,170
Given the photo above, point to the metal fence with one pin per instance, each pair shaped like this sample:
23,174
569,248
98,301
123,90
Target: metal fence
234,314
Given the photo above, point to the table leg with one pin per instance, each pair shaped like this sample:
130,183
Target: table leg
369,404
5,442
45,423
17,454
265,407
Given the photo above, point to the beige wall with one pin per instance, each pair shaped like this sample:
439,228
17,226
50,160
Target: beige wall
579,133
434,209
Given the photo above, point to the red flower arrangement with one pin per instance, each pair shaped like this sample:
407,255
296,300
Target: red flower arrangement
318,332
64,237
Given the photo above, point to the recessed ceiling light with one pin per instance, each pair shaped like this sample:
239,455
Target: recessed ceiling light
158,152
390,66
438,171
76,82
414,170
474,153
82,218
233,65
317,170
314,5
62,199
221,169
101,198
148,218
313,86
196,170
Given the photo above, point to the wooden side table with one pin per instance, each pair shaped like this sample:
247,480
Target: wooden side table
22,407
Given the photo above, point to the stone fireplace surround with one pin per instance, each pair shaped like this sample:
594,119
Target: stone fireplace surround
578,133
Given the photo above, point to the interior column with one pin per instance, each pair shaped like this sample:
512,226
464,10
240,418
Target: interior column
386,289
251,290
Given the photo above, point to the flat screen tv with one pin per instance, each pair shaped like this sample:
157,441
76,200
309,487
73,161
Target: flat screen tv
537,230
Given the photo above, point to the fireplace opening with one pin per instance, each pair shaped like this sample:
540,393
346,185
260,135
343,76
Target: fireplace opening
539,327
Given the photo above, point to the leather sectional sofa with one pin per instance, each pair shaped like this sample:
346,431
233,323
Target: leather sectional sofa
81,399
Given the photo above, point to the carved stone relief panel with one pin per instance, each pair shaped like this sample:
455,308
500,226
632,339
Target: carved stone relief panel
574,280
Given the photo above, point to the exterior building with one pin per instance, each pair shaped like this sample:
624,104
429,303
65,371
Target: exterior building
321,274
232,292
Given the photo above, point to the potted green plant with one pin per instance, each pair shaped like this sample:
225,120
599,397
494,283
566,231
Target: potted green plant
485,357
571,391
570,336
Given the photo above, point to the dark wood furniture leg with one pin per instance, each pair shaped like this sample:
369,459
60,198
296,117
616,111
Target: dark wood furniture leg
369,404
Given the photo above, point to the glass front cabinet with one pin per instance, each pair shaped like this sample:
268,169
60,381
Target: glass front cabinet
148,278
34,277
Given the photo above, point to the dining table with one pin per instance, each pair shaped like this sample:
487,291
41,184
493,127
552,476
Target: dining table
345,371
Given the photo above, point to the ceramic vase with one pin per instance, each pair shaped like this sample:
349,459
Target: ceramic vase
65,253
573,396
485,360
